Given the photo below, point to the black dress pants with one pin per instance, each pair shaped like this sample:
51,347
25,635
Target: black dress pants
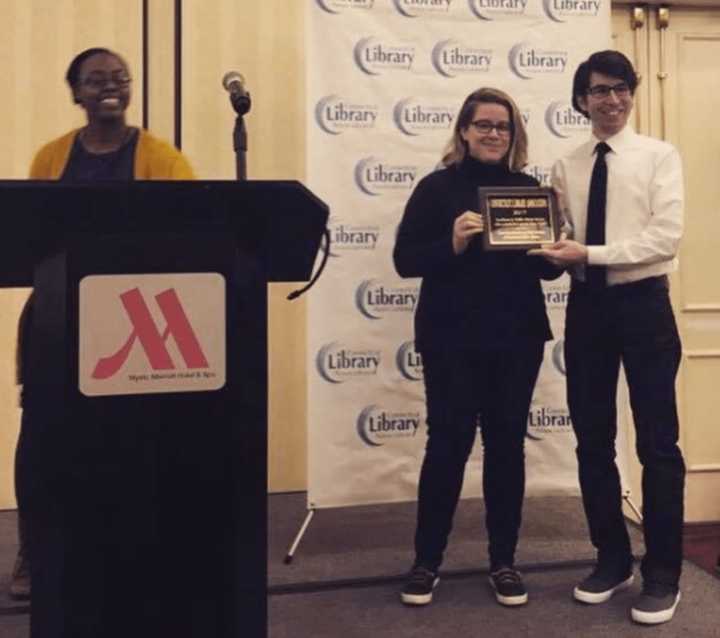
632,323
497,385
26,479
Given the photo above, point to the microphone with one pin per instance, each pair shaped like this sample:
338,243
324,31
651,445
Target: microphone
234,83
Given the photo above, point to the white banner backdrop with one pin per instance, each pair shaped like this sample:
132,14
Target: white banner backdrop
385,79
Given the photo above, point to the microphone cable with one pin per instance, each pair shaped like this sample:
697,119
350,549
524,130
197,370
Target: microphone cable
326,249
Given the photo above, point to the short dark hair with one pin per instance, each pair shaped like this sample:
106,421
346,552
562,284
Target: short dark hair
612,63
72,75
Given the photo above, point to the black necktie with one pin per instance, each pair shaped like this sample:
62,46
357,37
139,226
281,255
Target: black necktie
595,235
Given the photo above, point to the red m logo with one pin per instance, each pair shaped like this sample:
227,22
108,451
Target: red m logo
152,342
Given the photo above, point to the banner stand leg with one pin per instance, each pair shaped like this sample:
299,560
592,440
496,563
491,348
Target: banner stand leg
298,537
631,505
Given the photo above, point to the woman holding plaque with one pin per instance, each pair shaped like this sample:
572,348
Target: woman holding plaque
107,148
481,328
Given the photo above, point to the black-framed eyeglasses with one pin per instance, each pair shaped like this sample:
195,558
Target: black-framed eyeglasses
621,89
486,126
99,81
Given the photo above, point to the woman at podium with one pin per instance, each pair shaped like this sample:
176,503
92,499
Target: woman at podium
106,148
481,328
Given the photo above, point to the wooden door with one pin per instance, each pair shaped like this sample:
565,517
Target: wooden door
676,51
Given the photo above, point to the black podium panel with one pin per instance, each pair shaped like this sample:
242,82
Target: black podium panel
143,522
147,512
280,223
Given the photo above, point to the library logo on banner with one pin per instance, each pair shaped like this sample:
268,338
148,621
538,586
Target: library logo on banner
415,8
376,426
414,116
561,10
493,9
336,6
541,173
144,334
409,362
556,293
528,61
337,363
374,56
374,299
345,236
334,114
564,121
451,58
558,356
547,420
374,176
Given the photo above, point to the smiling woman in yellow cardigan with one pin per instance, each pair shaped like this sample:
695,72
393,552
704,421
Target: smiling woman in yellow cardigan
154,158
105,149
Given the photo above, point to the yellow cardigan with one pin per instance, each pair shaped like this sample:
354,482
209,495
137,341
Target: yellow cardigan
154,159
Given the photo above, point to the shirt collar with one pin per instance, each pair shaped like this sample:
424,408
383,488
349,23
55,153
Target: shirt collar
618,142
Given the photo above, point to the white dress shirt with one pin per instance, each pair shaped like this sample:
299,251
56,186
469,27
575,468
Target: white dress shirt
644,210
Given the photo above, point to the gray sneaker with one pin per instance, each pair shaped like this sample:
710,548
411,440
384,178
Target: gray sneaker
601,585
509,588
418,589
656,604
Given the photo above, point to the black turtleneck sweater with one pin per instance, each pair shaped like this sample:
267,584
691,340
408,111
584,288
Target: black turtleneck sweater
479,299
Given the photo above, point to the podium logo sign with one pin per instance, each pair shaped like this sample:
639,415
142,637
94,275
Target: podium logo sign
142,334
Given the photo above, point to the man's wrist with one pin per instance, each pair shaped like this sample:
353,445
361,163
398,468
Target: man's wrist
596,255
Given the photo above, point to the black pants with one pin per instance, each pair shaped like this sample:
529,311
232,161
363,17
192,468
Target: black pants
458,385
632,323
25,474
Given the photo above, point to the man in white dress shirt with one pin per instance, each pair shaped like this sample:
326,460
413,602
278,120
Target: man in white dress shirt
622,197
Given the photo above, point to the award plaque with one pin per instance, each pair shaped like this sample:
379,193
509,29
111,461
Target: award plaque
519,218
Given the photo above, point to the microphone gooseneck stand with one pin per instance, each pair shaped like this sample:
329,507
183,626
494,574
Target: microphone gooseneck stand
241,103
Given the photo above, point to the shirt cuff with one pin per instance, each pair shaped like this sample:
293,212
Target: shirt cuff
597,255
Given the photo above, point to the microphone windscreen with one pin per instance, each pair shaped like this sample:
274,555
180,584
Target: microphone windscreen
230,77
